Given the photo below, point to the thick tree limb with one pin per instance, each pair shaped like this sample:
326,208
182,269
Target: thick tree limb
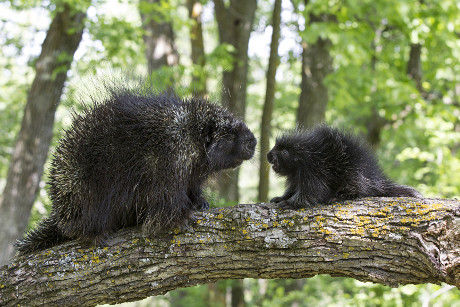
383,240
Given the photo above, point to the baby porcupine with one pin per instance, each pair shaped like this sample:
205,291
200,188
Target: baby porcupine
324,165
138,157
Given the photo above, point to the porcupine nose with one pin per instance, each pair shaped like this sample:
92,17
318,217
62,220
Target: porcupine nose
248,147
251,143
270,157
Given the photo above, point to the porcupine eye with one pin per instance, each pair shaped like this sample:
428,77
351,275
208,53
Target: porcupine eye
284,154
287,161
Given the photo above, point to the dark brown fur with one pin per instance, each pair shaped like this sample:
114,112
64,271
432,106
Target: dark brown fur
325,165
137,158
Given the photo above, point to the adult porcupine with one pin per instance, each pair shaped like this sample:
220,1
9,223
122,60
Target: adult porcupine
325,165
137,157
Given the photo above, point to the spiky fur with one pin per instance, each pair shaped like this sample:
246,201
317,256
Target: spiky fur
137,157
326,164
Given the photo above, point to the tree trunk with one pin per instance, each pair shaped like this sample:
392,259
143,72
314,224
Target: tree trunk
414,65
374,125
238,293
216,294
235,26
33,141
195,9
316,65
392,241
265,127
375,122
176,298
160,49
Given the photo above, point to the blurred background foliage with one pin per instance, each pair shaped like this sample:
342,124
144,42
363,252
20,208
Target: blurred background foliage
371,42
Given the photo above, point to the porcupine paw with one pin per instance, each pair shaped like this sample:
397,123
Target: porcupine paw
277,199
202,205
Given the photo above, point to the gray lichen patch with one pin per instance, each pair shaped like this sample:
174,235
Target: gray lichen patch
277,238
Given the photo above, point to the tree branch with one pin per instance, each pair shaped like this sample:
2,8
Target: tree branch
391,241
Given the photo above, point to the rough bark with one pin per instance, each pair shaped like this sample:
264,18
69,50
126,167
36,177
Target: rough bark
265,126
392,241
33,141
195,9
235,26
316,65
160,49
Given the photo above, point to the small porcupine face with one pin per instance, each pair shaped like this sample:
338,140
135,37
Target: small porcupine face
230,146
286,155
281,161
